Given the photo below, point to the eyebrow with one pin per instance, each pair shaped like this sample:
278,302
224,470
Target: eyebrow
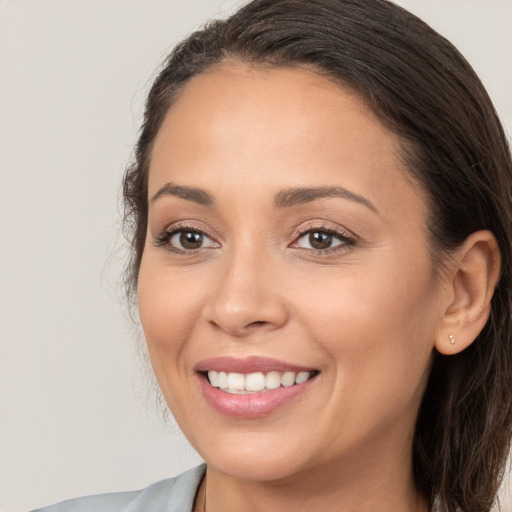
283,199
197,195
298,196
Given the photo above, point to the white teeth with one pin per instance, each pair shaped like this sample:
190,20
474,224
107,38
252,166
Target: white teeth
254,382
288,379
301,377
214,379
236,381
239,383
223,380
273,380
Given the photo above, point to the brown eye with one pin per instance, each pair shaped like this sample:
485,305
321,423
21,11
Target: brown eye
191,240
320,240
188,240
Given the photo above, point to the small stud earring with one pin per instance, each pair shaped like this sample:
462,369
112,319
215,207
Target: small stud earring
452,339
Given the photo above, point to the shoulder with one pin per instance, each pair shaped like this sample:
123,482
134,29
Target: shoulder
171,495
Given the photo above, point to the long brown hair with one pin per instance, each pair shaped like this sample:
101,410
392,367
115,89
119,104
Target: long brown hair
428,95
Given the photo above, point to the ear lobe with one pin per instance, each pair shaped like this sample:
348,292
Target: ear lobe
472,286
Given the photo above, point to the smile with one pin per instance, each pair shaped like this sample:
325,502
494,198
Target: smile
252,387
239,383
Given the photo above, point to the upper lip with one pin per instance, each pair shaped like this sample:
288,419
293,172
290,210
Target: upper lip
250,364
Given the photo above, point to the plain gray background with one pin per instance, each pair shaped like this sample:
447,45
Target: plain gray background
74,418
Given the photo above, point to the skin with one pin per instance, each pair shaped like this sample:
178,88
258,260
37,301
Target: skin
366,313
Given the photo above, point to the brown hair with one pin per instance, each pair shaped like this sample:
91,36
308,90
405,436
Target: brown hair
425,92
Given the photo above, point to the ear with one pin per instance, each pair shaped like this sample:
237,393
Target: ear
472,283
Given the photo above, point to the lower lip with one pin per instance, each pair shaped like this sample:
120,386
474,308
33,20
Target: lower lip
252,405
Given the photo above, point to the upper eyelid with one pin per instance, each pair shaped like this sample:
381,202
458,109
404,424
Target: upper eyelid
339,231
176,227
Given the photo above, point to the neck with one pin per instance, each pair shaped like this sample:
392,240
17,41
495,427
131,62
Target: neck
362,485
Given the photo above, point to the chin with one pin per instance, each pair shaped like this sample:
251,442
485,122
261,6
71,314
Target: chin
246,468
257,462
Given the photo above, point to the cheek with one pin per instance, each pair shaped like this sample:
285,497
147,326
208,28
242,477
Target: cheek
377,329
169,304
365,304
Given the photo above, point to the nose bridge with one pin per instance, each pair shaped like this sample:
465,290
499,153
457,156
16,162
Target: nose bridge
246,296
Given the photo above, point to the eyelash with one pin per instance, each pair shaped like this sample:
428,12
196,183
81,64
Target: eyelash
346,238
164,238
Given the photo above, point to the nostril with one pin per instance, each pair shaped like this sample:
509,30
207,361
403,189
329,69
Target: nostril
258,323
244,315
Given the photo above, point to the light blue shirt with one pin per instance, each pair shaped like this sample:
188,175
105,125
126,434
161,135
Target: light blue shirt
171,495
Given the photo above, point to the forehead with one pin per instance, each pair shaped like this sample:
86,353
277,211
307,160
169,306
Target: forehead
290,125
275,107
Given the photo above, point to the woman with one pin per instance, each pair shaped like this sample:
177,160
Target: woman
320,204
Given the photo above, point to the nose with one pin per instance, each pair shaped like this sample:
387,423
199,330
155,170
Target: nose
247,298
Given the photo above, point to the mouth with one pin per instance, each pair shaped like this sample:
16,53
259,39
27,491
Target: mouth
252,387
257,382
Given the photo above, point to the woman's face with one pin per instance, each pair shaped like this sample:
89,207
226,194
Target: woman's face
286,243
